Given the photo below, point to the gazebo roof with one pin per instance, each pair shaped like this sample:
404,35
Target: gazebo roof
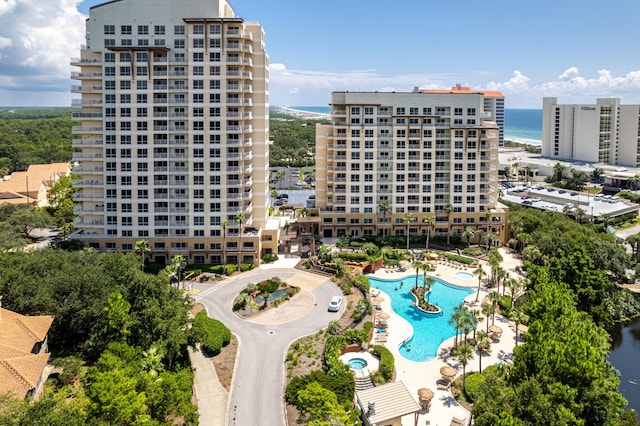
391,401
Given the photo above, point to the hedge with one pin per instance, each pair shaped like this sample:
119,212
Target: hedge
472,385
461,259
210,333
387,362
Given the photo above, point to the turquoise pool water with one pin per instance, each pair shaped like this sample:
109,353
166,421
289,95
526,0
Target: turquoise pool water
428,331
357,363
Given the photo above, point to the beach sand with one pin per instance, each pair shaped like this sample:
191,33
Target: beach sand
301,114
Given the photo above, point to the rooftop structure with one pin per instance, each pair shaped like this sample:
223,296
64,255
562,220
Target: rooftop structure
386,404
493,105
32,186
173,134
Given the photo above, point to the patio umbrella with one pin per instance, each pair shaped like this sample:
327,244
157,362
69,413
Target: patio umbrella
378,299
424,393
433,255
384,315
448,371
495,329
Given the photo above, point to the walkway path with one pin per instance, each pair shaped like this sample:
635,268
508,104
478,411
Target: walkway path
212,397
258,380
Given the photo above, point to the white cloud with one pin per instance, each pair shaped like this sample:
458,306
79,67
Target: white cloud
37,39
568,73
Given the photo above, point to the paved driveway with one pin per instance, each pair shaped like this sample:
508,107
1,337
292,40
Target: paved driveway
256,395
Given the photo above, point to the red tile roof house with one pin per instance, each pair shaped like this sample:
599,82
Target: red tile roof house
23,353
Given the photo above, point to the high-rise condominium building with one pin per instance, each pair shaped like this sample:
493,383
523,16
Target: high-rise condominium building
606,132
172,143
493,105
390,158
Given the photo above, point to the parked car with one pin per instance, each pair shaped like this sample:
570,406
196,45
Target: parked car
335,304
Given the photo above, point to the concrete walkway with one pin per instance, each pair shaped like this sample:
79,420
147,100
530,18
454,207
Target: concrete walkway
211,396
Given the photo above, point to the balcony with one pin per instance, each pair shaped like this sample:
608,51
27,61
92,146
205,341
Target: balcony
86,89
86,142
86,130
82,62
86,75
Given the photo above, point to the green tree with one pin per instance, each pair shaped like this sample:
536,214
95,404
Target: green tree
408,218
142,248
481,274
430,221
322,406
464,354
488,310
114,398
483,344
468,234
118,320
449,209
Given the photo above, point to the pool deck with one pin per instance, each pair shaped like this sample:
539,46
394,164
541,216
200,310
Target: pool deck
416,375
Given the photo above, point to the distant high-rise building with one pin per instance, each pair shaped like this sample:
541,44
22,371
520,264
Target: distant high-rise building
172,144
389,157
605,132
493,105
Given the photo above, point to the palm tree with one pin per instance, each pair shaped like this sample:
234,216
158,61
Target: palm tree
489,310
240,219
385,208
518,317
516,286
494,297
280,175
430,221
224,224
449,209
483,343
481,234
428,282
488,215
177,265
558,171
468,234
152,361
417,265
527,171
580,214
142,247
475,318
494,262
274,195
464,353
407,219
480,273
303,212
458,319
507,172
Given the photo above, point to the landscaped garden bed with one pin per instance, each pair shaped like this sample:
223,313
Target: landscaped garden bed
267,294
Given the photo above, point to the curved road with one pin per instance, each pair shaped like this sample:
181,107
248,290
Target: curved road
256,395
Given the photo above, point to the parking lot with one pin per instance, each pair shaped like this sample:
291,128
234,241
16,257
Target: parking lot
549,198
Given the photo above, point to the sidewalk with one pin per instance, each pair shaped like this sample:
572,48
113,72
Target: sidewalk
212,398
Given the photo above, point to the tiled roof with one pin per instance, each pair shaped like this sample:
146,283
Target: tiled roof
20,370
22,332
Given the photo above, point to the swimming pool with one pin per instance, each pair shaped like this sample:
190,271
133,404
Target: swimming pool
463,275
428,331
357,363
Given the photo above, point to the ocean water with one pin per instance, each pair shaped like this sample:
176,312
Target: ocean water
520,125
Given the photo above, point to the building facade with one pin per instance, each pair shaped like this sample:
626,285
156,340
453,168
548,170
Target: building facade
493,105
172,139
605,132
431,155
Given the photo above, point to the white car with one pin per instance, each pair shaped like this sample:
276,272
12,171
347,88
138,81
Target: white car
335,304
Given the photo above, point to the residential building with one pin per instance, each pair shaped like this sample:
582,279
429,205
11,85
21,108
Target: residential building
173,135
424,154
606,132
23,353
33,185
493,105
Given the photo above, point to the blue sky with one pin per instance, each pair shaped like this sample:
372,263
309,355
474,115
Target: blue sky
574,50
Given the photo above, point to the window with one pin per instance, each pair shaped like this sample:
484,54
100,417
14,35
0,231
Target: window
109,42
109,29
178,30
143,42
198,29
125,42
198,43
158,30
471,111
125,29
143,29
214,56
125,71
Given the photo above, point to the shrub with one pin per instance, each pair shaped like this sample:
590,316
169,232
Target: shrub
343,385
210,333
473,251
387,362
456,258
354,257
472,385
269,257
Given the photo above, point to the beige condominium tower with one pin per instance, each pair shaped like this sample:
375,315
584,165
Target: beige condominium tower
388,159
172,135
